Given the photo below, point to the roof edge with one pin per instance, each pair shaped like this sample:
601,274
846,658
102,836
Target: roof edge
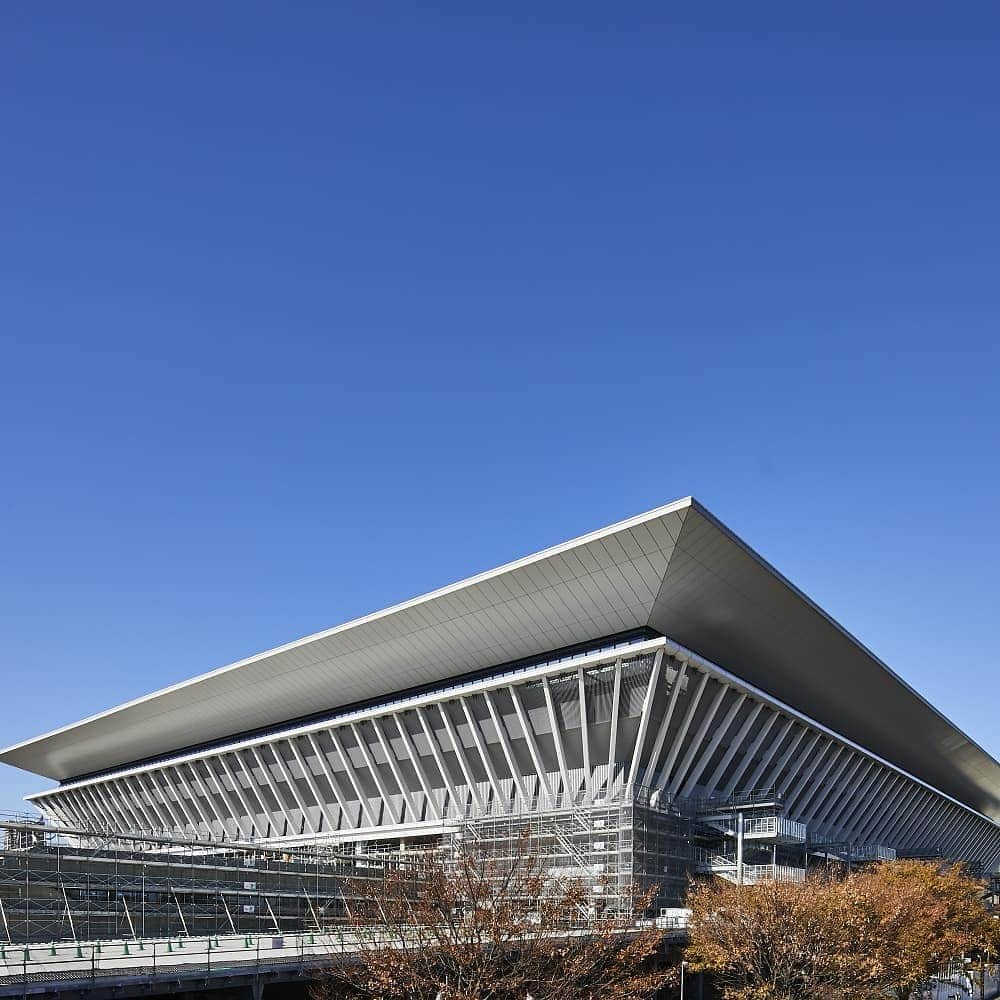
684,502
806,599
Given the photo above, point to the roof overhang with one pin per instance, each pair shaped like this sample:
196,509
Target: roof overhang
676,569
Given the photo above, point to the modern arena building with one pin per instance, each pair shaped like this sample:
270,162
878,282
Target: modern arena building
646,700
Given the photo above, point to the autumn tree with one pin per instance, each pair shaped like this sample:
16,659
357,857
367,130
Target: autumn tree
863,935
470,927
907,918
771,940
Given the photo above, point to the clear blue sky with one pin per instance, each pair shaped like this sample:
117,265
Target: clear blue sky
307,309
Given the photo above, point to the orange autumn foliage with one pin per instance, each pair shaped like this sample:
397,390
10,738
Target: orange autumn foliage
881,930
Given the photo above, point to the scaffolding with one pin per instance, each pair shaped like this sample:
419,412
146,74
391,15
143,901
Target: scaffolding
617,850
86,884
58,884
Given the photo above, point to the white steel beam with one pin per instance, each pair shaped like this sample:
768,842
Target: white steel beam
751,753
418,766
892,822
661,732
141,800
480,741
240,758
613,741
697,740
869,808
439,761
840,785
397,775
193,798
805,799
902,815
293,787
776,771
647,711
314,788
99,811
345,813
207,796
158,790
376,776
352,775
234,799
878,807
713,745
675,746
556,737
267,782
112,808
508,751
529,736
809,761
172,796
853,806
584,733
460,756
712,784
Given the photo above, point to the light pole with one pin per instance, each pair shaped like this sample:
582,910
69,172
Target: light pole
683,967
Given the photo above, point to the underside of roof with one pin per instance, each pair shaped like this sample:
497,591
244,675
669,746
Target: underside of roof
676,570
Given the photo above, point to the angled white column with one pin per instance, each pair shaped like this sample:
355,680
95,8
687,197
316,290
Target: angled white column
141,798
529,737
508,751
713,744
240,758
887,828
310,779
556,737
352,776
613,743
661,732
397,775
647,711
418,764
112,807
849,810
199,814
584,733
439,762
697,741
98,810
892,789
286,773
346,814
678,740
838,785
796,780
373,770
832,755
232,799
491,774
738,741
751,753
207,796
267,781
157,791
460,756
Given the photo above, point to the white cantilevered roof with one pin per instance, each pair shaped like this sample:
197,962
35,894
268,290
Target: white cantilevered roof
675,569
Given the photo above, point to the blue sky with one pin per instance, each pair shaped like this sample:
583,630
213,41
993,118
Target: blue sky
307,309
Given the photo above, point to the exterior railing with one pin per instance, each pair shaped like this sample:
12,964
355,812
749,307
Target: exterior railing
774,827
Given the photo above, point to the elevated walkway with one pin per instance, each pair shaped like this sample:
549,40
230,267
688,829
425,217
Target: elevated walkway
727,866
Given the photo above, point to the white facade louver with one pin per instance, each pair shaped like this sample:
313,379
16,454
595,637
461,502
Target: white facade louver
646,720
